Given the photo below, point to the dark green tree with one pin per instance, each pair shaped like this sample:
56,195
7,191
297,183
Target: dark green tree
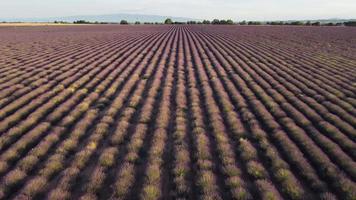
223,21
191,22
81,22
350,23
215,21
243,22
296,23
168,21
254,23
206,22
123,22
229,21
316,24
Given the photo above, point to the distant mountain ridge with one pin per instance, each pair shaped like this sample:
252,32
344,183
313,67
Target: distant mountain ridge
116,18
332,20
103,18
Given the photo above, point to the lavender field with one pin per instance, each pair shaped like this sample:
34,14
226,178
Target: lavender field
177,112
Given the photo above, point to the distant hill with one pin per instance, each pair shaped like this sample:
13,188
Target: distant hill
324,21
103,18
112,18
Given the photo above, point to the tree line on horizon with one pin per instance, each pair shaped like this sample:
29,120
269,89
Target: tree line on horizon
224,22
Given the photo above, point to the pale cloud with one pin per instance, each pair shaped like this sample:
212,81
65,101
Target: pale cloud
200,9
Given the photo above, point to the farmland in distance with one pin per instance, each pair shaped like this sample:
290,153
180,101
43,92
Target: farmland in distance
177,112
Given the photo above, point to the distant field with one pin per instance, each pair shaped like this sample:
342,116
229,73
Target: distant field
177,112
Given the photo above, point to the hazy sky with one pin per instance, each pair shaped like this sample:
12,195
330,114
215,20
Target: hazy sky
199,9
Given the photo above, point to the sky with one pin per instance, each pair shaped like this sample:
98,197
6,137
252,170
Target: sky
197,9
